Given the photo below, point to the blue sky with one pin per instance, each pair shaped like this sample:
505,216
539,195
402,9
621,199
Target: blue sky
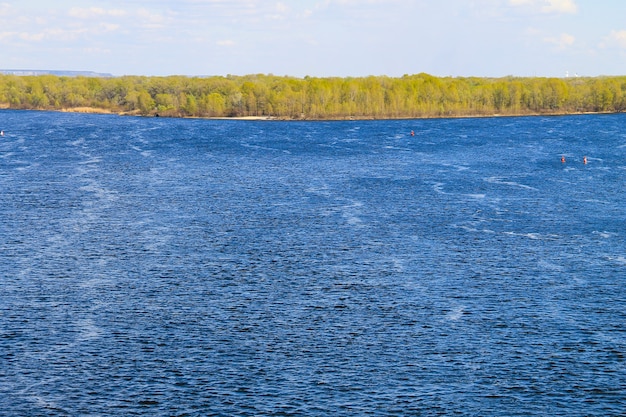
489,38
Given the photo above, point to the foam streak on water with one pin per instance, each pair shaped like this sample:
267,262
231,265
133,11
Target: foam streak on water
167,267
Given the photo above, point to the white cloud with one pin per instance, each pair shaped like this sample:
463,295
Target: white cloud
94,12
150,20
5,9
226,42
109,27
280,12
562,41
7,35
547,6
52,34
559,6
617,38
113,19
96,51
282,7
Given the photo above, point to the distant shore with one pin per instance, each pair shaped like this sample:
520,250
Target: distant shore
269,97
94,110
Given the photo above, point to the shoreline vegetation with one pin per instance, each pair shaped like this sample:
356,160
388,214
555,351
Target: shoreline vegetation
269,97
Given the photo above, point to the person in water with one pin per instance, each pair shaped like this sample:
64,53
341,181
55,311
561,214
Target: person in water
412,133
585,160
563,159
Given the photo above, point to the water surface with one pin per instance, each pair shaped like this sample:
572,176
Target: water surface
166,267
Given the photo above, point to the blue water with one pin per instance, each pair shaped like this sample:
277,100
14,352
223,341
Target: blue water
163,267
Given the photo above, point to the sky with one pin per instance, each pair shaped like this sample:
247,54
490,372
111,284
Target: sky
318,38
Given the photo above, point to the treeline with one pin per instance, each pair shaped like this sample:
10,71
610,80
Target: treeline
410,96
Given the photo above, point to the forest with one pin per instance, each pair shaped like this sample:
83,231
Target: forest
313,98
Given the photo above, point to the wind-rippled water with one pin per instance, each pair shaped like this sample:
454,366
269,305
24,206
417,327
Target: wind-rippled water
166,267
